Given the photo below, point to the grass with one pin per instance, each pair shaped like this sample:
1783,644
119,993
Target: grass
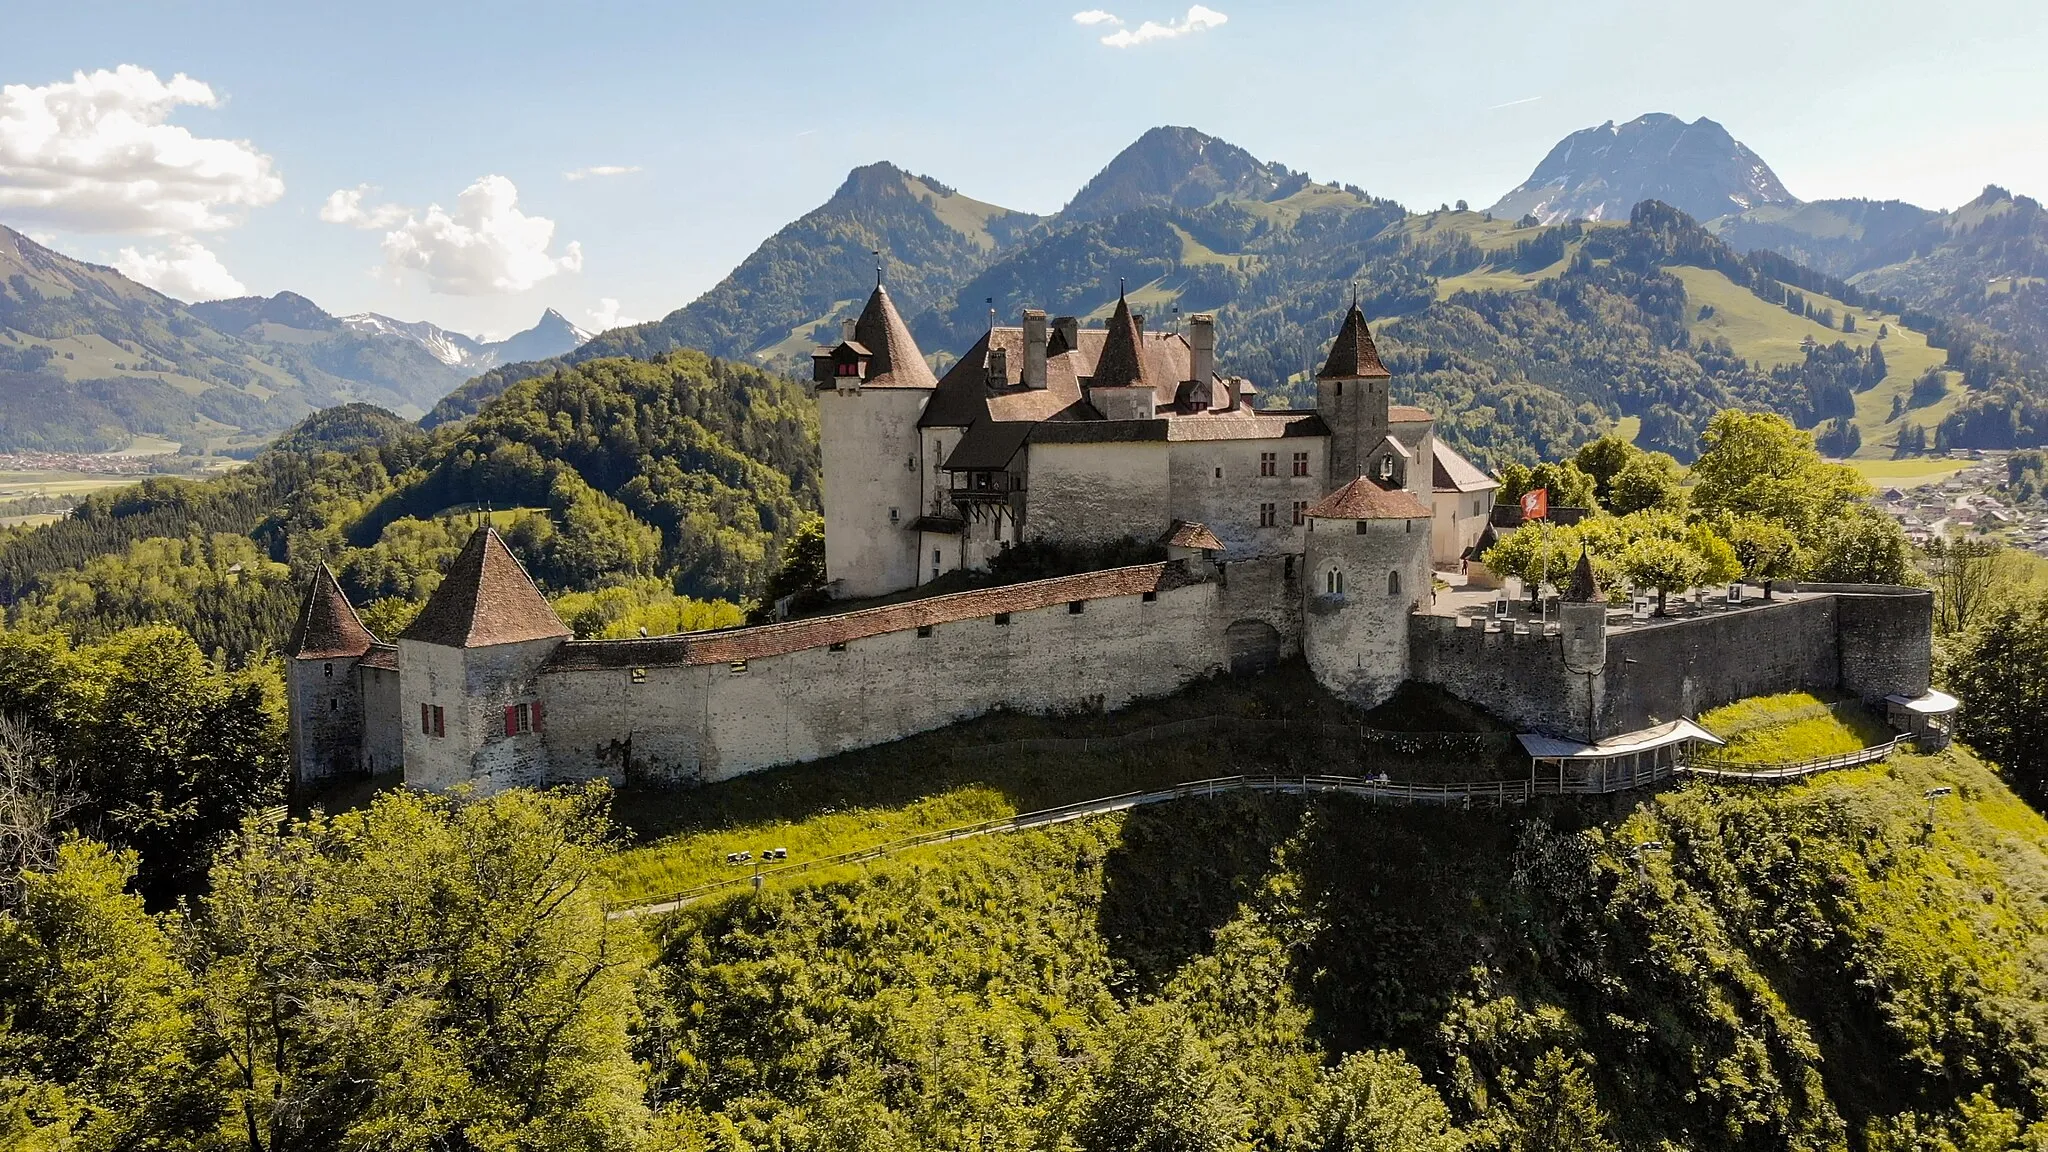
1791,727
14,484
1908,473
950,777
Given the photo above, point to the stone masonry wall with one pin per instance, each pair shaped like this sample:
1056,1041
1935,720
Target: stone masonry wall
326,718
472,687
383,720
1229,503
1884,647
1685,667
1096,493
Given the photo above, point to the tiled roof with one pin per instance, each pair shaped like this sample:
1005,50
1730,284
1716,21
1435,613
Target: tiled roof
1353,355
328,627
1187,534
988,446
1122,363
486,598
383,656
1244,425
1585,586
699,648
1364,499
1408,414
1099,431
967,393
1451,472
893,358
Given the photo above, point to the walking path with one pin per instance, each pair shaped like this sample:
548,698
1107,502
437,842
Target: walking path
1485,793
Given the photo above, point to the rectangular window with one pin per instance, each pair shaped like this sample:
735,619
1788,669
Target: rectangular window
1300,513
440,728
1148,597
838,647
1076,607
738,667
639,676
1268,515
924,631
426,720
522,719
1269,463
1301,463
1002,617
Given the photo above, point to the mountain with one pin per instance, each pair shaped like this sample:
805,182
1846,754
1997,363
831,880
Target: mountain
1839,237
553,335
1171,167
789,293
1600,173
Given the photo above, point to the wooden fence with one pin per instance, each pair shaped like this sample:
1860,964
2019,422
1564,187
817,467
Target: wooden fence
1778,773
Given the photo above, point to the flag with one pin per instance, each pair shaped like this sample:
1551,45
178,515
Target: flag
1536,504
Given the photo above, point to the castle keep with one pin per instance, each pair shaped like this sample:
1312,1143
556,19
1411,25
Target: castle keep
1286,532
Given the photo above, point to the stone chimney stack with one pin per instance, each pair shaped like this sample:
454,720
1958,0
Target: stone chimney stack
1069,328
846,328
1202,354
1034,347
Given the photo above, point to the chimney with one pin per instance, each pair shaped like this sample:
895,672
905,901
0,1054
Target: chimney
846,329
1069,329
1034,348
1202,355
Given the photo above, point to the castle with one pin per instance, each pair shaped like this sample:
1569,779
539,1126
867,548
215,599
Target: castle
1286,532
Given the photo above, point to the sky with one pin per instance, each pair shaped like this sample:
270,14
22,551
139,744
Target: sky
473,164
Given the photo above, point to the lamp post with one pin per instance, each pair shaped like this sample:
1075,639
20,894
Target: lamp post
1642,874
1932,795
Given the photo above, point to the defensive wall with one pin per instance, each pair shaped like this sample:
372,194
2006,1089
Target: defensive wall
1867,640
710,706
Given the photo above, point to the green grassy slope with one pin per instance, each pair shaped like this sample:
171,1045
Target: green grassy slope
1802,968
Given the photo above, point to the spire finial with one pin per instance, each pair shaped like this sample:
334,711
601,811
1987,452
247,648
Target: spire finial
1119,287
878,266
1354,293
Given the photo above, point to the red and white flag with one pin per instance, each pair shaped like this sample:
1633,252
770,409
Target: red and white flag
1536,504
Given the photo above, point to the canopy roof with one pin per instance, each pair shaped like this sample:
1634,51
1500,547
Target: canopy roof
1628,743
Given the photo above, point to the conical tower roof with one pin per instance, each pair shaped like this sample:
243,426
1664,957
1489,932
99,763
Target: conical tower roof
328,627
1585,586
1353,356
486,598
893,358
1122,362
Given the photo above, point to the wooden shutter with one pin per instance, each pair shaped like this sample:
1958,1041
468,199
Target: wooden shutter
511,720
535,707
426,727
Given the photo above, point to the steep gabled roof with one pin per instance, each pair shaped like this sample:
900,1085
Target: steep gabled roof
1451,472
1189,534
893,358
328,627
486,598
1123,361
1353,355
1364,499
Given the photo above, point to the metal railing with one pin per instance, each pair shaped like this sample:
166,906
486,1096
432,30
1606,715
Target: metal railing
1775,773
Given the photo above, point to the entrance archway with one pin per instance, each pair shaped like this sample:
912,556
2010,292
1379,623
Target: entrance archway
1254,646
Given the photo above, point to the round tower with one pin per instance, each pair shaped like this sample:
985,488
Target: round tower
323,690
1582,620
1367,558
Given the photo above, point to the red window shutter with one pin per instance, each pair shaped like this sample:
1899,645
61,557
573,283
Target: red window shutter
511,720
536,715
426,728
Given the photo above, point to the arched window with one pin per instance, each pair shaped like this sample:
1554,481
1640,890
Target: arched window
1386,467
1333,582
1394,583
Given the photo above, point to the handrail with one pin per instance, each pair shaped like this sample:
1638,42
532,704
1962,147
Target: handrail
1492,793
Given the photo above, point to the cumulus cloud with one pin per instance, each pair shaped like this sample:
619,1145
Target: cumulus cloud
601,170
185,269
485,247
605,316
345,206
97,153
1198,19
1094,16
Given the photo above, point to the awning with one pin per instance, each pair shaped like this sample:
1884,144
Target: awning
1932,704
1543,747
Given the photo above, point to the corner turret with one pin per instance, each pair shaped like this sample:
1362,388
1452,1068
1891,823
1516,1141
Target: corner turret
1367,564
1352,394
325,693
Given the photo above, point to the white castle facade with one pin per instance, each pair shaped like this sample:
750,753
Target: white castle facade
1286,532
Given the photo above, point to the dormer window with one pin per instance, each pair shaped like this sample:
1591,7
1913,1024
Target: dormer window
847,368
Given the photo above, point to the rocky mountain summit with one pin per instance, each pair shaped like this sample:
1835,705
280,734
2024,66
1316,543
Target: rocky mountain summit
1600,173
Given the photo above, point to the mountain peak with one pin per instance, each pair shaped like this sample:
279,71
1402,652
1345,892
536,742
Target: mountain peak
1177,167
1600,173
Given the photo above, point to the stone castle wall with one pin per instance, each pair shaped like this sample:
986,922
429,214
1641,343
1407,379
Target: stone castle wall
326,717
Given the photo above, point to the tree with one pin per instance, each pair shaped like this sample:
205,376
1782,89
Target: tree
1965,573
1375,1102
1650,480
1839,437
1603,460
1535,553
1999,670
1161,1090
1665,565
1863,547
1568,487
1767,551
801,574
1556,1109
1758,464
101,1031
39,795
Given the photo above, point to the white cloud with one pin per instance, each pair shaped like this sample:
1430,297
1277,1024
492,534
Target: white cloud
606,316
601,170
1094,16
97,153
1198,19
345,206
185,269
486,247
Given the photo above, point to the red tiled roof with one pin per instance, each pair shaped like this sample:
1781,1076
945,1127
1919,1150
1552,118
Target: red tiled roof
699,648
893,358
1408,414
1186,534
383,656
1353,355
1364,499
967,392
328,627
485,598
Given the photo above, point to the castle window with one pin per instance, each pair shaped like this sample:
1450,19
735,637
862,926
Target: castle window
838,646
1340,388
847,368
432,722
892,516
1300,513
1076,607
738,668
1361,527
1219,473
1148,597
638,676
328,669
1393,583
333,705
1386,467
522,719
1002,617
1269,463
1301,463
924,631
1333,582
1269,515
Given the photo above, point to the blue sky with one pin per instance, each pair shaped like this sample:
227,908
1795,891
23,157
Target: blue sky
735,119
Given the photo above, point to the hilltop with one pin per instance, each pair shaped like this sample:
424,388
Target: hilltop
1600,173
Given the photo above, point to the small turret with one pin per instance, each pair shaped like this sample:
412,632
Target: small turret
1582,620
1367,557
325,693
1352,394
1122,387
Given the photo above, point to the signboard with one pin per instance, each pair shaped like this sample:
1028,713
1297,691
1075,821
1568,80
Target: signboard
1735,593
1536,504
1500,608
1641,608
